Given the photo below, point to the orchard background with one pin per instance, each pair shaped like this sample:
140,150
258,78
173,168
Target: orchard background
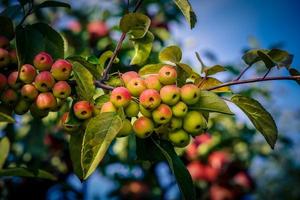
43,156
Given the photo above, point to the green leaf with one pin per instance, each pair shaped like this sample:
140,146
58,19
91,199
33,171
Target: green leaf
75,147
214,70
150,69
261,118
25,172
294,72
51,4
114,81
142,47
171,54
94,69
72,120
210,102
4,150
100,132
251,56
85,83
187,11
135,24
182,76
182,175
188,69
209,82
7,27
6,115
266,59
104,59
281,58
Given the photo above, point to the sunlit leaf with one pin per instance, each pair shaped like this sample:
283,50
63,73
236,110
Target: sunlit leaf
93,68
25,172
4,150
170,54
210,82
266,59
75,147
142,47
214,70
104,58
187,11
150,69
251,56
135,24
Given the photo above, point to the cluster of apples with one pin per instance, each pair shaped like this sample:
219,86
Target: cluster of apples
40,88
157,102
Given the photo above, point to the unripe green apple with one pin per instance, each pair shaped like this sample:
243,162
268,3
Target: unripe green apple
83,109
145,112
143,127
162,114
29,92
152,82
179,138
44,81
43,61
4,58
66,127
180,109
46,101
9,96
22,107
120,97
27,73
61,89
108,107
167,75
132,109
3,81
61,70
194,123
170,94
36,112
128,76
136,86
126,129
150,99
12,80
4,42
175,123
13,57
190,94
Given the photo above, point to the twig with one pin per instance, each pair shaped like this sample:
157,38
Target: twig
266,74
243,72
260,79
99,84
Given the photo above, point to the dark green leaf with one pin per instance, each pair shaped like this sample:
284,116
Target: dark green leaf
6,115
93,68
72,120
75,147
104,59
100,132
252,57
295,72
170,54
266,59
142,47
214,70
135,24
150,69
146,150
187,69
187,11
25,172
47,4
6,27
281,58
4,150
211,102
259,116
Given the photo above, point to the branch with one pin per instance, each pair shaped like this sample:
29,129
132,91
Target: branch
260,79
99,84
243,72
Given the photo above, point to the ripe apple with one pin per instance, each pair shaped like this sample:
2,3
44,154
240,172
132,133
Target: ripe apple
150,99
120,97
190,94
152,82
61,89
43,61
108,107
143,127
162,114
128,76
27,73
61,70
167,75
83,109
44,81
4,58
170,94
136,86
29,92
46,101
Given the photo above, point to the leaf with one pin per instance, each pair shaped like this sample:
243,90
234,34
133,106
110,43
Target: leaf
171,54
100,132
7,27
85,83
261,118
5,115
150,69
182,76
251,56
294,72
211,82
142,49
135,24
75,147
104,58
187,11
4,150
214,70
26,172
47,4
281,58
94,70
210,102
182,175
266,59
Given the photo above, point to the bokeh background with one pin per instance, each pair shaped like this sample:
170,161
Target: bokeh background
225,30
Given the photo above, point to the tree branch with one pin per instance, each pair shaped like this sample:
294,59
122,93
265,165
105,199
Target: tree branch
243,72
99,84
260,79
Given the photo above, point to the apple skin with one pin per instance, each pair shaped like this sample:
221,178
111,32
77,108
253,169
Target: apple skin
9,96
108,107
180,109
61,89
27,73
150,99
136,86
128,76
143,127
126,129
145,112
4,42
132,110
4,58
29,92
83,109
194,123
61,70
22,107
170,94
3,81
12,80
66,127
120,97
44,81
152,82
162,114
43,61
218,192
190,94
46,101
167,75
175,123
179,138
